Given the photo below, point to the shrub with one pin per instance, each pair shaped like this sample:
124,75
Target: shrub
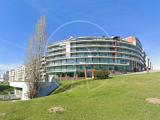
101,74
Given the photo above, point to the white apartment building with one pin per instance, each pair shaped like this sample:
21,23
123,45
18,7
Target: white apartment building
20,73
4,77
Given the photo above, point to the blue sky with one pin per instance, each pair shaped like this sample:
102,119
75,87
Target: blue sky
122,18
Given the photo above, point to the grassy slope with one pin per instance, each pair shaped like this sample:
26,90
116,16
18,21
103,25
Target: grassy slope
121,97
5,87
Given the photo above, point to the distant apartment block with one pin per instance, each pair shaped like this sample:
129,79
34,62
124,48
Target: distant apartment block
4,77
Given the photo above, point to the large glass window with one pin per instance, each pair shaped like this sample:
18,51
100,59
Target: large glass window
70,68
103,54
110,60
80,61
88,60
95,60
63,61
51,53
80,55
51,69
120,68
96,49
57,62
128,68
73,44
104,67
88,67
57,68
71,61
111,67
80,44
73,50
71,74
63,74
95,54
89,74
51,63
120,61
96,67
81,74
103,60
81,49
102,43
88,43
128,62
89,49
57,74
88,54
81,67
103,49
63,68
73,55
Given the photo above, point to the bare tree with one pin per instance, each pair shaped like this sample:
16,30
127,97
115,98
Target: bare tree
35,51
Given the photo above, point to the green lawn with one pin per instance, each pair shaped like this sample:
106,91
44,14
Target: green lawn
5,87
118,98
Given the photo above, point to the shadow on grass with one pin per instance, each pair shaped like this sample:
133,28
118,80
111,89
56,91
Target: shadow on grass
8,88
72,85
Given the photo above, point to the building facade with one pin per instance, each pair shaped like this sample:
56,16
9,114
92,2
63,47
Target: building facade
78,58
4,77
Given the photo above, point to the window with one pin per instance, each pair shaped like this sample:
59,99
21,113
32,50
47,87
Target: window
73,44
128,68
104,60
95,60
70,68
73,55
57,68
110,60
95,49
51,63
103,49
73,50
88,43
104,67
95,54
81,67
81,74
88,54
89,49
89,74
63,68
96,67
111,67
71,61
120,61
71,74
57,74
120,68
51,69
103,54
57,62
80,55
80,44
88,60
81,49
128,62
51,53
63,61
63,74
80,61
88,67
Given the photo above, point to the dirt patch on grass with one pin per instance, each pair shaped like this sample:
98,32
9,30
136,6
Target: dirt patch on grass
2,114
55,109
153,100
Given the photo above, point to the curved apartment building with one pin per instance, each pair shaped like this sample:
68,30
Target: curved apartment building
78,58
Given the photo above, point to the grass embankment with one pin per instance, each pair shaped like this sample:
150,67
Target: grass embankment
4,87
120,97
